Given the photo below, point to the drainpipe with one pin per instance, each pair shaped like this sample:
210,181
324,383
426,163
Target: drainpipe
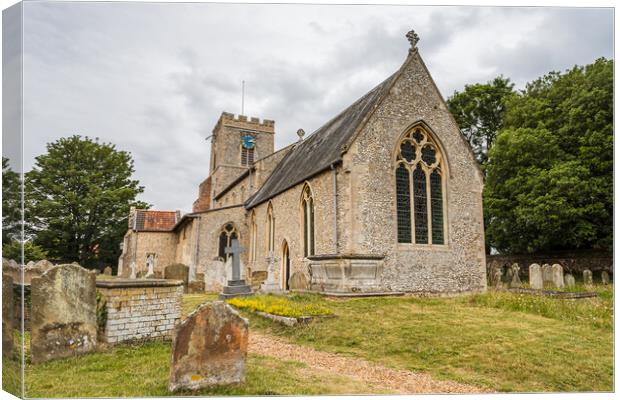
335,197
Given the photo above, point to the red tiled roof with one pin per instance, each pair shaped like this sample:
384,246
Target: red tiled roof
148,220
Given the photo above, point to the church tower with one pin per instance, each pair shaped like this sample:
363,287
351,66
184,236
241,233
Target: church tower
236,144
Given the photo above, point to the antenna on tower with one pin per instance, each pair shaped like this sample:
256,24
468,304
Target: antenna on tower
242,96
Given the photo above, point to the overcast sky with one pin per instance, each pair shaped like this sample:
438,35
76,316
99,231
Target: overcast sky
153,78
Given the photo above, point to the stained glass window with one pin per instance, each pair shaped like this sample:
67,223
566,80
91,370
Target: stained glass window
428,155
436,207
419,205
308,210
407,151
403,204
226,236
423,179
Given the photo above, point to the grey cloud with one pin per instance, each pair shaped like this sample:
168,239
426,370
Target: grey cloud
154,77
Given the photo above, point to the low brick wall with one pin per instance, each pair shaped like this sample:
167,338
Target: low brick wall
140,309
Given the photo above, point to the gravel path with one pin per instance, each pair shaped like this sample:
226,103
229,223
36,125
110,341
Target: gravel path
400,381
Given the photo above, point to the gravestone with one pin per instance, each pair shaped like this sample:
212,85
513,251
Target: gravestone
107,270
569,280
63,321
298,281
236,286
271,285
516,281
605,277
587,277
558,275
507,275
497,278
209,348
547,274
179,272
536,279
7,315
150,266
132,274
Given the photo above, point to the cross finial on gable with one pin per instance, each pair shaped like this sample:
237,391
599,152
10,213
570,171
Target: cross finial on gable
413,39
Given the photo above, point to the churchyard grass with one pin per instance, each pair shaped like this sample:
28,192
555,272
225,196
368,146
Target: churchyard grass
142,371
495,340
491,340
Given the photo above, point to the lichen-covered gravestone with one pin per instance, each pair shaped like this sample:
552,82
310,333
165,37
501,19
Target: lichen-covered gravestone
536,279
569,280
515,281
558,275
547,275
605,277
587,277
209,348
497,278
107,270
63,321
179,272
7,315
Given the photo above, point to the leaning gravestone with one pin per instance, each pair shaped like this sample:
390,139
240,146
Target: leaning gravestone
547,275
179,272
587,277
298,281
516,281
209,348
605,277
536,279
558,275
63,321
7,315
569,280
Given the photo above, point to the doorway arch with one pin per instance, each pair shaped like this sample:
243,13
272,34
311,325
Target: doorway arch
286,266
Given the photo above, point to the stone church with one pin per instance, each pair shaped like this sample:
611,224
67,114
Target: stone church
384,197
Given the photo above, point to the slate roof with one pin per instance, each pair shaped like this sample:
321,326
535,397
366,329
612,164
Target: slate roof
321,149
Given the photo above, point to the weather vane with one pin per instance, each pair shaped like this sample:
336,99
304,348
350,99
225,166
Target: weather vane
413,38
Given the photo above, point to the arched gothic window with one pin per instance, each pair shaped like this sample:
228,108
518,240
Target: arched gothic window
253,235
271,229
225,239
307,208
419,173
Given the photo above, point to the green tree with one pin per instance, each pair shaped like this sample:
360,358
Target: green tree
82,192
549,183
11,203
479,111
32,252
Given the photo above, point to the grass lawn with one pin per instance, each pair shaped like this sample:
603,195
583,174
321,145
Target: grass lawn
505,341
143,370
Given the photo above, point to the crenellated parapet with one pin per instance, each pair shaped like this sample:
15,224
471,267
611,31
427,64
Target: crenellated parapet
245,122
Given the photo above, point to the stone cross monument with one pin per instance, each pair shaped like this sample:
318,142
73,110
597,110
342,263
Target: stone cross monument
236,286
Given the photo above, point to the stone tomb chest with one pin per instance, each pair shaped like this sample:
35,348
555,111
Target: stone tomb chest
345,273
140,309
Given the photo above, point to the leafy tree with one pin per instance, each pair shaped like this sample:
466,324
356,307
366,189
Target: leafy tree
32,252
479,111
82,192
549,183
11,203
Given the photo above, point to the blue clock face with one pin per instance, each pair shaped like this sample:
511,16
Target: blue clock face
248,141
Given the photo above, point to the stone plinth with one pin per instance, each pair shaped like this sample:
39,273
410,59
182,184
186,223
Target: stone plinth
140,309
235,288
209,348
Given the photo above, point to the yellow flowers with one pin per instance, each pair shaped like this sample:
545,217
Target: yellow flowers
278,305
